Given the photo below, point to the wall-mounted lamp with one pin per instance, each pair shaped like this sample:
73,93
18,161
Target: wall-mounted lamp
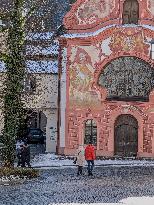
152,49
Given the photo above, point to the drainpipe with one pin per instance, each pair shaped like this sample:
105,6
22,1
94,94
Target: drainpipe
60,31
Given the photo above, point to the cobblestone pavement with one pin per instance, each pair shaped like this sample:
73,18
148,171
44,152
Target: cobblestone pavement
108,185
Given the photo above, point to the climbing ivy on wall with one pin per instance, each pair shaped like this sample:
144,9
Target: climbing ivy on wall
23,20
15,72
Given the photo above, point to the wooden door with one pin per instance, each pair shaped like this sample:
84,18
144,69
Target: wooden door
130,12
126,136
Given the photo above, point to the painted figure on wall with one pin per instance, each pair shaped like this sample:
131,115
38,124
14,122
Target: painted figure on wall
151,6
92,10
82,71
81,77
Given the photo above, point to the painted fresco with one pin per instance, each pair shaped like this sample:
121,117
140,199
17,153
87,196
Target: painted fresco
93,10
127,40
151,6
81,77
105,48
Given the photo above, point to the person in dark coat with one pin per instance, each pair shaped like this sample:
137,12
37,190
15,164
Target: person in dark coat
25,155
18,151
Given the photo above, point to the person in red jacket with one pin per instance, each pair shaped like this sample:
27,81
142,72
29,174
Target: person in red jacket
90,157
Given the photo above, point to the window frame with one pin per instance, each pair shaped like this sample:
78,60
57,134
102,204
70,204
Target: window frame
92,135
130,12
27,85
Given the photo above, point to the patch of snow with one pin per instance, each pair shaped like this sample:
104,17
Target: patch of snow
79,35
42,66
39,36
123,162
138,201
52,160
44,50
37,66
149,27
46,160
90,34
2,66
128,201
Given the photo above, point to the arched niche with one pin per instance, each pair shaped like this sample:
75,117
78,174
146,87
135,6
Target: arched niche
127,79
130,12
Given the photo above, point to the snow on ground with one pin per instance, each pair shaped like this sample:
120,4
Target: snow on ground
127,201
42,66
138,201
52,160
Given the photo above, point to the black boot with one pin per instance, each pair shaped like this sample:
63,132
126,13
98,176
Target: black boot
90,174
78,173
80,170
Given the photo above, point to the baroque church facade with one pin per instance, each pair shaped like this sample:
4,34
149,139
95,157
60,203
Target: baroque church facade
106,76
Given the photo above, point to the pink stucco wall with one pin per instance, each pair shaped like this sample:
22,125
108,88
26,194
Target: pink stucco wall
88,56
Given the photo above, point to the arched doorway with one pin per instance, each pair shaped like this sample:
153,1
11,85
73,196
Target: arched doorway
126,136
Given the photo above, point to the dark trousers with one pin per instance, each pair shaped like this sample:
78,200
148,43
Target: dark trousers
79,170
19,160
90,166
24,164
25,160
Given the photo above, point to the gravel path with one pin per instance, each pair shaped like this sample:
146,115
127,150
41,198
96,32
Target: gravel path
108,185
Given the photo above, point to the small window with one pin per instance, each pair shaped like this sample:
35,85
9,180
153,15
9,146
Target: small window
130,12
90,132
72,1
30,83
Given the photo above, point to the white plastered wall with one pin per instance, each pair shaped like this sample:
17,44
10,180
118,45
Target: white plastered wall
51,130
63,98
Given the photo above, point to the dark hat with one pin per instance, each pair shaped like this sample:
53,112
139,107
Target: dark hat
25,143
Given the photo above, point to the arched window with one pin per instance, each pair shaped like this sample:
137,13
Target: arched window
127,79
90,132
130,12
